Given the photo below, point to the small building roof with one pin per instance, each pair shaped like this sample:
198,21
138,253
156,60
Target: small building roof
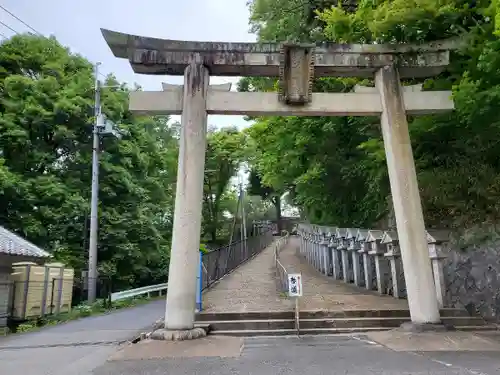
12,244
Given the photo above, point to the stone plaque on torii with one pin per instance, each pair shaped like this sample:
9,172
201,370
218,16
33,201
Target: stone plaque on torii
296,65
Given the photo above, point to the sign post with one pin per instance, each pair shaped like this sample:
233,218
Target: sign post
295,291
199,287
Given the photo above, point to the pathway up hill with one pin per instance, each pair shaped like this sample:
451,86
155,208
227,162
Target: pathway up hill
249,288
326,294
248,302
253,288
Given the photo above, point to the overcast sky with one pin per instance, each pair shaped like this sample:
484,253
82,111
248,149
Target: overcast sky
77,24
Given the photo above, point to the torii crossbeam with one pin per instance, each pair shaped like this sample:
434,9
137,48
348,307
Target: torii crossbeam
296,66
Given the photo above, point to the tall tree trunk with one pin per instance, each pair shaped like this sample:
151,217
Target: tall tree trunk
213,233
277,205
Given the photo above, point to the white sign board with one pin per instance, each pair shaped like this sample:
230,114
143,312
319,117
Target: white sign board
295,285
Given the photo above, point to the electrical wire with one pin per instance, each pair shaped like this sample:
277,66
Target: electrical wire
27,25
8,27
20,20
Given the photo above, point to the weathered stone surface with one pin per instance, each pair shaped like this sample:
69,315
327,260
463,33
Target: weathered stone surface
181,335
162,56
211,346
250,287
268,104
425,327
472,276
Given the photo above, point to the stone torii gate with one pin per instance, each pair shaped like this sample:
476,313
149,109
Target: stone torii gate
296,66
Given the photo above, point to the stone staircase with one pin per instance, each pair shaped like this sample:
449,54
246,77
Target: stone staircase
325,322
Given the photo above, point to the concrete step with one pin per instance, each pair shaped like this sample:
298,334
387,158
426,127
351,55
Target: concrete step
403,313
328,323
485,327
325,331
291,332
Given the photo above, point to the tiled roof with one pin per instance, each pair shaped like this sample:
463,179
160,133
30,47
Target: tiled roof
12,244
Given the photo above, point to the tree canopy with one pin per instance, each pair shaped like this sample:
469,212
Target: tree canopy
46,121
335,166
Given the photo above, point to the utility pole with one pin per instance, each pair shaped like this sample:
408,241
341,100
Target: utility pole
94,202
243,217
102,127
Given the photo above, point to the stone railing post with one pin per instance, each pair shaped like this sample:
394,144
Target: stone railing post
436,239
308,247
344,255
357,261
335,255
381,265
329,251
390,240
324,251
368,262
301,237
315,248
317,241
319,238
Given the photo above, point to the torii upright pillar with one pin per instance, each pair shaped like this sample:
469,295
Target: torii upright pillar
184,256
419,279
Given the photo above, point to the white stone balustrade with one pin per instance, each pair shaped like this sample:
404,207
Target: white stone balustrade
335,256
328,253
370,259
324,262
436,240
357,261
342,244
397,282
316,248
381,264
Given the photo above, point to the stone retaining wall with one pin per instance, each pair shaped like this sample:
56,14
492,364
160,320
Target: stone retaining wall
472,274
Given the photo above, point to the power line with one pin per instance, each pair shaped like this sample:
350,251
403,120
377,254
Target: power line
3,36
27,25
8,27
20,20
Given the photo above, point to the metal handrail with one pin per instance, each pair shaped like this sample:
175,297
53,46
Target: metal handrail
138,291
281,271
163,287
220,262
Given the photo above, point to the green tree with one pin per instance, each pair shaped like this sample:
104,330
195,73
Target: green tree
46,107
257,188
225,153
335,168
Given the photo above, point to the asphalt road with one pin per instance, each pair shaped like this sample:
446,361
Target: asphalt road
85,347
313,356
75,347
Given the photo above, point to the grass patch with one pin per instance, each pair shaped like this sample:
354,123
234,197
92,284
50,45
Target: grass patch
284,295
